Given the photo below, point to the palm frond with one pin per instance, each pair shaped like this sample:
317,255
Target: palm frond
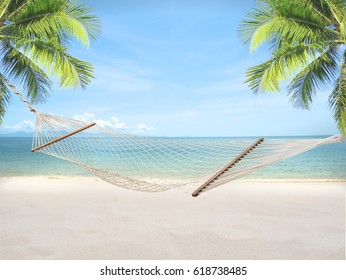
305,38
5,97
34,20
336,8
58,18
267,76
343,29
259,26
257,78
34,41
287,21
317,8
4,7
83,70
25,72
314,77
15,7
58,63
337,102
81,22
337,99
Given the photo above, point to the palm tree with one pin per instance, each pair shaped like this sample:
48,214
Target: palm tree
307,40
34,46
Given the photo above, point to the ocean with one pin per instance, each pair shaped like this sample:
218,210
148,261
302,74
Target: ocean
327,162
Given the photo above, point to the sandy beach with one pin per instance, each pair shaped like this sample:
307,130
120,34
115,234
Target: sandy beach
86,218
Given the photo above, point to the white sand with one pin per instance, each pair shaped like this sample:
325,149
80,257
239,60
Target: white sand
43,218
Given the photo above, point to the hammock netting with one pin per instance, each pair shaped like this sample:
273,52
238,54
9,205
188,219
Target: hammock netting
158,164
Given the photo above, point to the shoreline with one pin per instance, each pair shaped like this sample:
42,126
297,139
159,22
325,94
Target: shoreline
245,180
43,218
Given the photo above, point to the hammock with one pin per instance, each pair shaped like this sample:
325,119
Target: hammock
158,164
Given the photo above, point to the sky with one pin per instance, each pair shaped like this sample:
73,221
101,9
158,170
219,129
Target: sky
175,68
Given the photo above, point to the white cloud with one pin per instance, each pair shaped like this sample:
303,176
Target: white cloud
141,127
86,117
114,123
23,125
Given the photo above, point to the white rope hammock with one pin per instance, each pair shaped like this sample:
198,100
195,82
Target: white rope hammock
158,164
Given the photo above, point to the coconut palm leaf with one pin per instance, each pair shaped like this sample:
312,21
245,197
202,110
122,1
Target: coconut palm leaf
289,23
24,72
34,46
306,38
5,97
337,99
284,62
314,77
57,18
58,63
4,7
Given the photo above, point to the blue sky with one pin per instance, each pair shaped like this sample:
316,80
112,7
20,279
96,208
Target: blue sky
175,68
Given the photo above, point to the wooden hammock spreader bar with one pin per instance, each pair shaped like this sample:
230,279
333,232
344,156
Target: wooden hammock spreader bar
226,167
63,137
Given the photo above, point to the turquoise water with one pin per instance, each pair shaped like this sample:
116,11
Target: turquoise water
326,162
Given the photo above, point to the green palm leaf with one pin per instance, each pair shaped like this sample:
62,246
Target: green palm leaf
59,17
34,46
4,6
306,38
58,63
5,97
288,21
284,62
25,72
337,99
314,77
